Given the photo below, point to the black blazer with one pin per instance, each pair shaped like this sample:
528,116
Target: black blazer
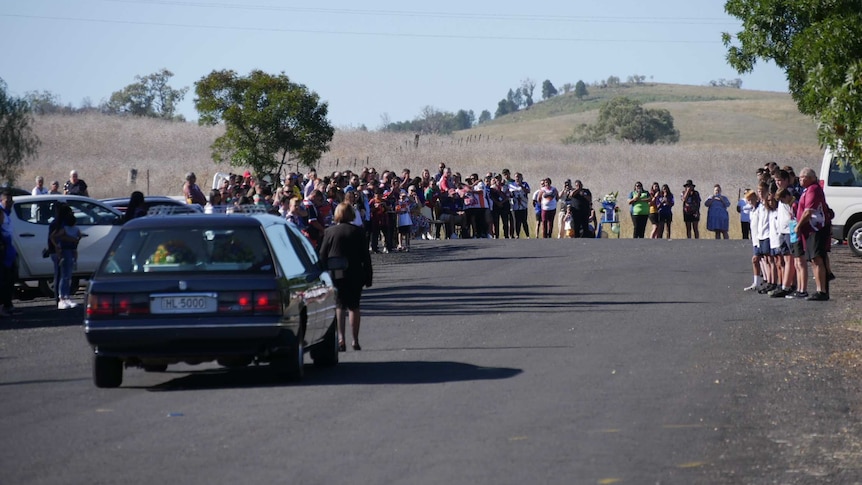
348,241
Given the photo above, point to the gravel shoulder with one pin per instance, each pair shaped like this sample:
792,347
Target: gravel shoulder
810,403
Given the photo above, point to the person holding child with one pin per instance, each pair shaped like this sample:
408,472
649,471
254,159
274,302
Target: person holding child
66,238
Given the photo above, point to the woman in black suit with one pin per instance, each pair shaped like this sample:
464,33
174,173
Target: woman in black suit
344,252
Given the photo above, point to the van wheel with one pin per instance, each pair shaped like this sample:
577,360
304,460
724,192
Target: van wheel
854,239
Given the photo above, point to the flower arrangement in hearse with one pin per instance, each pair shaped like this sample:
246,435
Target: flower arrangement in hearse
172,253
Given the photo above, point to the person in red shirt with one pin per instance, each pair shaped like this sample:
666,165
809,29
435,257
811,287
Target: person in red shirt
813,223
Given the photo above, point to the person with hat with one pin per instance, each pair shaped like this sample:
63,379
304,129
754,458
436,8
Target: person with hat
691,209
191,191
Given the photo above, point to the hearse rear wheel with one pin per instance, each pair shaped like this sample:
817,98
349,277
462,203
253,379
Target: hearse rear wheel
107,371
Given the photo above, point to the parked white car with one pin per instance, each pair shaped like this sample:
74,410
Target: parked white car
31,215
842,186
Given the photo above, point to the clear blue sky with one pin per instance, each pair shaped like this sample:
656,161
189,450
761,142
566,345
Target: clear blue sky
368,58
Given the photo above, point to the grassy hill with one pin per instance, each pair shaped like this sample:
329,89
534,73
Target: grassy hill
704,115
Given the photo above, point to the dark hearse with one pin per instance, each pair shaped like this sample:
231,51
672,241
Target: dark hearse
193,288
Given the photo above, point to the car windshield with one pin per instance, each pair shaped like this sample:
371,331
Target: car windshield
185,249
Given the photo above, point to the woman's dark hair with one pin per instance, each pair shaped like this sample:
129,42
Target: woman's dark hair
135,207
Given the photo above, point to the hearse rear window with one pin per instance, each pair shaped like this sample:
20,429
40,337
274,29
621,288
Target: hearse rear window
203,249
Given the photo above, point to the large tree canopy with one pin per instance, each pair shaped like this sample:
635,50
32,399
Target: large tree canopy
17,140
150,96
818,43
269,120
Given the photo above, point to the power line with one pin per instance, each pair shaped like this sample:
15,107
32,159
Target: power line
447,15
366,34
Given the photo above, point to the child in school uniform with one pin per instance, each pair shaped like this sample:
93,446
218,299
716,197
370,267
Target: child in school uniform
757,252
783,216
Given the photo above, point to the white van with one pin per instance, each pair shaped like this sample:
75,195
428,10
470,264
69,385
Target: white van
842,185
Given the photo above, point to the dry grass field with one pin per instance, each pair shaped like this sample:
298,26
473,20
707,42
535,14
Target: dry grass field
723,140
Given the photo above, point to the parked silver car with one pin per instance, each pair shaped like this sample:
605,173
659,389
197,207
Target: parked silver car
31,216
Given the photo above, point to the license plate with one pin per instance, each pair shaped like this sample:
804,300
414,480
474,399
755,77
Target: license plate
184,303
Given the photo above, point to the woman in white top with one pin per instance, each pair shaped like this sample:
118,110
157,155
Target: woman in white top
548,199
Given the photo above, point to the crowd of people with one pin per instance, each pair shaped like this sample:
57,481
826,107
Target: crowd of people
786,219
790,226
397,208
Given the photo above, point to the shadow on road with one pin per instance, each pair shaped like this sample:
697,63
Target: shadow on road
466,300
43,314
349,373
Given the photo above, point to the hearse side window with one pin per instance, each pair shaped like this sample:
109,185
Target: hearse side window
289,257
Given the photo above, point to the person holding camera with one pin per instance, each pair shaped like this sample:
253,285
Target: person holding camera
717,219
566,196
691,209
582,210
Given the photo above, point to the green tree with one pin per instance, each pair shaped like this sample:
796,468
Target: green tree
269,120
484,116
528,86
818,44
548,90
503,108
581,90
626,120
17,140
150,96
516,99
43,103
464,120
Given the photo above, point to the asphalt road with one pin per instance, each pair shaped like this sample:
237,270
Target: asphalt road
483,362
